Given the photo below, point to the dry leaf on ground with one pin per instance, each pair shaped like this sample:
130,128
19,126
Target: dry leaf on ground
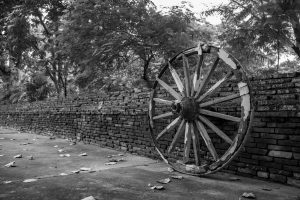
7,182
11,164
157,187
110,163
85,169
249,195
83,154
18,156
177,177
89,198
30,180
164,181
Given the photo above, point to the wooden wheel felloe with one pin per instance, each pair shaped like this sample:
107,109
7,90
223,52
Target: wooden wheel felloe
200,110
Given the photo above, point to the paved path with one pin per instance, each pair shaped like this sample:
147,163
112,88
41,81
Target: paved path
126,180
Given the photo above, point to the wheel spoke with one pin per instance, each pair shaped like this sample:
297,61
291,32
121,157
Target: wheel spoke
219,100
215,129
197,74
176,78
196,145
219,115
163,101
177,136
170,127
187,142
168,114
187,81
207,78
214,88
207,140
169,89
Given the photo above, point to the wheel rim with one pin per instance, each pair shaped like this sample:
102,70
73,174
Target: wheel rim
188,119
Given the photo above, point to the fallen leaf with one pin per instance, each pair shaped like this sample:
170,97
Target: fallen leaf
85,169
73,143
234,179
18,156
30,180
89,198
83,154
267,189
170,169
249,195
7,182
164,181
110,163
177,177
63,174
30,157
11,164
157,187
64,155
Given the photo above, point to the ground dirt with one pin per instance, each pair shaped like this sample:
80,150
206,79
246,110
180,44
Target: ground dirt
127,179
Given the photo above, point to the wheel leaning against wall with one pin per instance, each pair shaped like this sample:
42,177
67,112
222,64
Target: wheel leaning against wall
200,110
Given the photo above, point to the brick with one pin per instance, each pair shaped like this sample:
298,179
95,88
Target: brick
296,156
263,174
292,168
256,151
293,182
278,178
263,158
247,171
286,161
280,154
279,148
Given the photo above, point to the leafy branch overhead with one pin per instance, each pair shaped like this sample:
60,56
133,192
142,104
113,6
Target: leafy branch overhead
105,45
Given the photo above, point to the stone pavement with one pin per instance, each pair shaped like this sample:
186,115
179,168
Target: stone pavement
127,179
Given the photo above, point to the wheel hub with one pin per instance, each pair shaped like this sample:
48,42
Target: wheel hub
187,108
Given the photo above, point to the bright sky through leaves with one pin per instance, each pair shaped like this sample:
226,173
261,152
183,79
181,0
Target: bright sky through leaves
198,6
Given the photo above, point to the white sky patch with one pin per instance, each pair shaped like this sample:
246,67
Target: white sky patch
198,6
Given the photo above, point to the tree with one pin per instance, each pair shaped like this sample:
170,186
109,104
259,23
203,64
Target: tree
264,27
103,37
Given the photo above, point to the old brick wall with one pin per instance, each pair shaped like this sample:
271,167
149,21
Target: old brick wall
120,120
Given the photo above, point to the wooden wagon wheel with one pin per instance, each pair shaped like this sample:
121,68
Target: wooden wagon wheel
191,127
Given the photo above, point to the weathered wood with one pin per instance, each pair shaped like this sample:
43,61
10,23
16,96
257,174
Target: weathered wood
163,101
225,57
214,88
196,144
207,140
168,114
187,80
219,100
207,78
177,136
176,78
198,73
187,142
220,115
169,89
170,127
215,129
